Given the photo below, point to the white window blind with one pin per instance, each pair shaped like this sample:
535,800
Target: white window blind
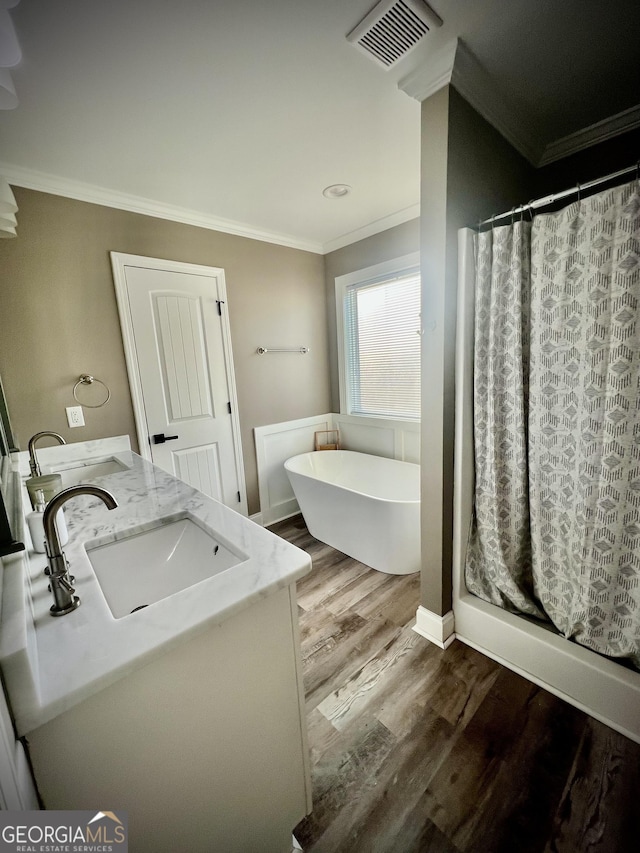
382,347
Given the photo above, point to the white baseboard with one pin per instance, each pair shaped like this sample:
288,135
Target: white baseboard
258,518
283,518
437,629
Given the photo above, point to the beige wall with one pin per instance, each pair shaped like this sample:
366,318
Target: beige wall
433,210
469,172
58,317
393,243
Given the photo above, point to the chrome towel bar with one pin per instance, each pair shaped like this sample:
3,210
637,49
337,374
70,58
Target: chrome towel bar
263,350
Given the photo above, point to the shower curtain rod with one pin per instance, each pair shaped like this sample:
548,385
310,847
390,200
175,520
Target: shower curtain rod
549,199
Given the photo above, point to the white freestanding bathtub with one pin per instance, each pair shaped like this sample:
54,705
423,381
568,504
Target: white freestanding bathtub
365,506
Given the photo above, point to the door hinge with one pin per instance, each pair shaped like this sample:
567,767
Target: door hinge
220,304
239,498
229,407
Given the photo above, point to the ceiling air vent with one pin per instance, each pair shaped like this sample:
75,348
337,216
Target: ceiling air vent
393,28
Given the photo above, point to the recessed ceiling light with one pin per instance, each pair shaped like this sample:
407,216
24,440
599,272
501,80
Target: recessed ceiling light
336,191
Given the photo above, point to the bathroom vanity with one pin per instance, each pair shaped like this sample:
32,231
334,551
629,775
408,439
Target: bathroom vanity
187,713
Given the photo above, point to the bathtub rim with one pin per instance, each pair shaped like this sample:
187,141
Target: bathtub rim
347,488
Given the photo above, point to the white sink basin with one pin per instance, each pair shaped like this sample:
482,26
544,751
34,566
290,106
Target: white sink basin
153,564
85,472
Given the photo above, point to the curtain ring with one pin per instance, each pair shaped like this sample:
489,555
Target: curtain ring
87,379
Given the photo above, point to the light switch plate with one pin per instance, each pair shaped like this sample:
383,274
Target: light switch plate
75,416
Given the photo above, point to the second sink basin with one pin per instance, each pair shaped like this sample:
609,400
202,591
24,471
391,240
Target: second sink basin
150,565
83,472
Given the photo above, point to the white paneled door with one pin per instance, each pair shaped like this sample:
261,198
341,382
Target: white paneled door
178,347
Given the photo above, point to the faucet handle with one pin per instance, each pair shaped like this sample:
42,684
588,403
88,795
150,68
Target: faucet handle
65,583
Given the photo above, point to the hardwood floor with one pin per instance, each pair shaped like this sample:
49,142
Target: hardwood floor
418,749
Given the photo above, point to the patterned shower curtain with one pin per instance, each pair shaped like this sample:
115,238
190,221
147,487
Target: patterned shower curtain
556,530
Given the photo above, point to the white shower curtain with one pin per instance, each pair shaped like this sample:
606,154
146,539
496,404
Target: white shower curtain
556,531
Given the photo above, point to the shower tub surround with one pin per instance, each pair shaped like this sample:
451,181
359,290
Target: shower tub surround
603,688
182,712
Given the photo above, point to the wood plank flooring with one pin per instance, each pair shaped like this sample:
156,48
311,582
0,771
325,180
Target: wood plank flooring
419,750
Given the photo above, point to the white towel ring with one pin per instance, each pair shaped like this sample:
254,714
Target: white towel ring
87,379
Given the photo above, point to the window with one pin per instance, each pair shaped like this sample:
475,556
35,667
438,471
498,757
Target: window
380,341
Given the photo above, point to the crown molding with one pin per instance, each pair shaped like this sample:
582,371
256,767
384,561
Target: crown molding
42,182
608,128
431,76
376,227
455,64
477,87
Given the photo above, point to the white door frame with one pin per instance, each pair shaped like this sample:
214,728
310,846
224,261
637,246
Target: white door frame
119,261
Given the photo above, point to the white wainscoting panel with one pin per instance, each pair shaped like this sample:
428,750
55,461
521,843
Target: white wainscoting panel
376,440
379,436
276,443
411,445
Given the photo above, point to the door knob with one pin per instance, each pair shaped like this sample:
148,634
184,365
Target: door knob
160,438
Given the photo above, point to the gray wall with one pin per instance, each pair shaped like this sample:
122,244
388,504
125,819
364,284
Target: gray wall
59,318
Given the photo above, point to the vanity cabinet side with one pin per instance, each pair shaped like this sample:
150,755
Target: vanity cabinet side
206,744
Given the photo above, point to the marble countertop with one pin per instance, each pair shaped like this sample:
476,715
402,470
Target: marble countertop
51,664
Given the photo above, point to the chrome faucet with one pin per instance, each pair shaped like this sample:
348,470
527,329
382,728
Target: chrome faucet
33,462
61,584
